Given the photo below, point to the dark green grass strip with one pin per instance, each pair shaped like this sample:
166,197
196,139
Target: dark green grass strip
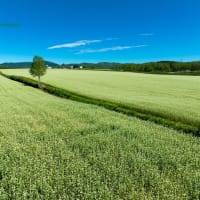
139,113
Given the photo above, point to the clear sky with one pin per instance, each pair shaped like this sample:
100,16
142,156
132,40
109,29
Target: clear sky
68,31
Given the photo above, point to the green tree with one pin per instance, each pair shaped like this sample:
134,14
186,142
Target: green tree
38,68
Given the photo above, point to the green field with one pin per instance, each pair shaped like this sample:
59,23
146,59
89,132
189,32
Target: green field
52,148
174,97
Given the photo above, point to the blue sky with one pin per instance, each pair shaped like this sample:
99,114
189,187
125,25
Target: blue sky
73,31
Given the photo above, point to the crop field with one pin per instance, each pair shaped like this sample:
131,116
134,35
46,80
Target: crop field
52,148
174,97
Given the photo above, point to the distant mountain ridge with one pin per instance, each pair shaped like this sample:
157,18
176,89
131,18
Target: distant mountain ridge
26,64
100,65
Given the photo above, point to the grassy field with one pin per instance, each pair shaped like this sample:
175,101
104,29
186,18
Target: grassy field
53,148
174,97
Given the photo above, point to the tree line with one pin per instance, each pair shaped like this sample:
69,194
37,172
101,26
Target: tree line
163,66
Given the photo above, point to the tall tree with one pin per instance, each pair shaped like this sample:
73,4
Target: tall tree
38,68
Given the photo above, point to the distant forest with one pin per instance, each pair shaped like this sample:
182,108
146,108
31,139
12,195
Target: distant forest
151,67
162,66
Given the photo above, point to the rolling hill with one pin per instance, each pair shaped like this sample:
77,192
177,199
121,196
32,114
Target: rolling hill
25,64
